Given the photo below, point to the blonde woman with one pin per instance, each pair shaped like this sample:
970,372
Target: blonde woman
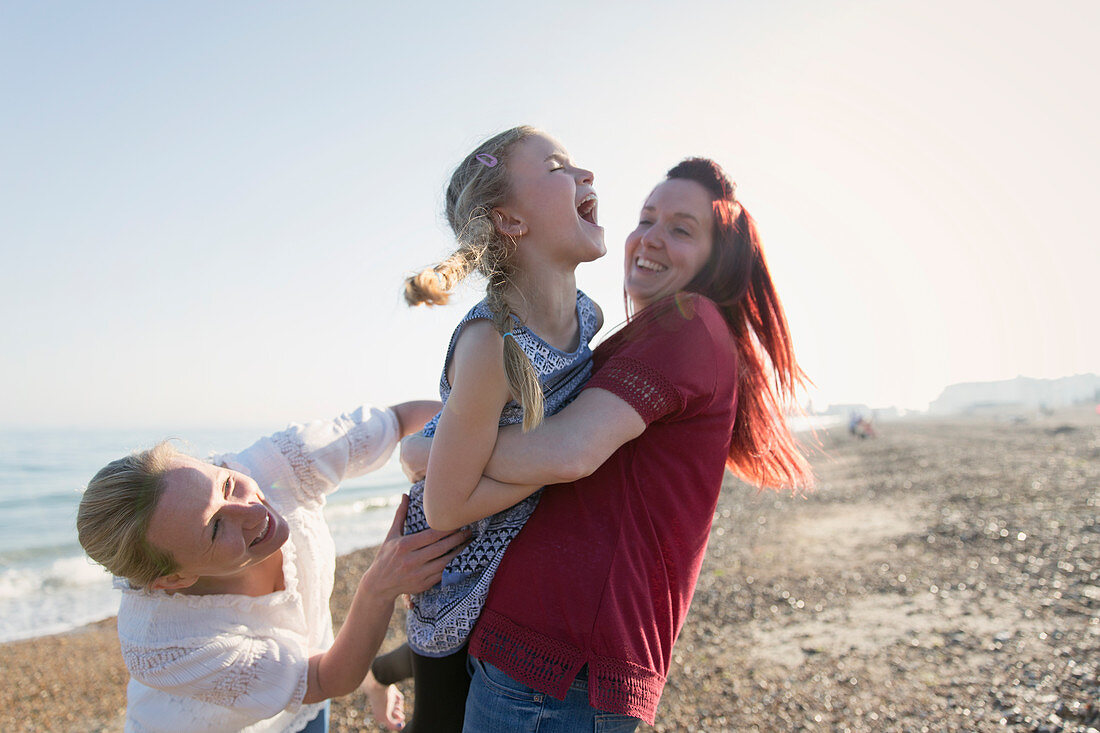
226,568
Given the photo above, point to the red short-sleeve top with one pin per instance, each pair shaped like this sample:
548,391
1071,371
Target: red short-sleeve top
604,571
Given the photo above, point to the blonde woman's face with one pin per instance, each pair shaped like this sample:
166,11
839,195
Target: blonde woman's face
672,242
553,200
213,521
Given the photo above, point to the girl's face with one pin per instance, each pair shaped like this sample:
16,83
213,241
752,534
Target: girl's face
552,202
672,243
213,521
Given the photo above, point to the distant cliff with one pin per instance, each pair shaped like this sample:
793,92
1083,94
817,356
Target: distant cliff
1019,392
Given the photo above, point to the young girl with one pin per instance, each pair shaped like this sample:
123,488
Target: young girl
524,216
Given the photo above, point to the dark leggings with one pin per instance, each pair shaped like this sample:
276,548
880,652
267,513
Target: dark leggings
440,685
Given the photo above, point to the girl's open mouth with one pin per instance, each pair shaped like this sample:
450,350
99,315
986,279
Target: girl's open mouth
587,209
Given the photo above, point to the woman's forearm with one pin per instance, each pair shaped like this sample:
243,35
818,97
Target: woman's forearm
546,455
567,446
341,669
487,498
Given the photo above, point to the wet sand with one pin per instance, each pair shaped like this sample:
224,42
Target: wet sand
945,576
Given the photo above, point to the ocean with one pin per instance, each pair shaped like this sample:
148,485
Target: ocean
47,583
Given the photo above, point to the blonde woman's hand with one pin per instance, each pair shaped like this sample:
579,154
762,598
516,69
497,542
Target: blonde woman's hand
411,563
414,456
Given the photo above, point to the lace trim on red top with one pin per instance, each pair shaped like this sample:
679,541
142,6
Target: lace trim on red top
549,666
624,688
538,661
638,384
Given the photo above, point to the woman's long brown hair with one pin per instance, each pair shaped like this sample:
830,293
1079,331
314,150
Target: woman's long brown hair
762,450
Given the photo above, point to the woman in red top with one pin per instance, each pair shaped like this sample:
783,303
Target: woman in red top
581,618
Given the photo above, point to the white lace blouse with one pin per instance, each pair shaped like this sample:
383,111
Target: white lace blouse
232,662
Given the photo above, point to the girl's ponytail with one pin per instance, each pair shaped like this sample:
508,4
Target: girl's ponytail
433,285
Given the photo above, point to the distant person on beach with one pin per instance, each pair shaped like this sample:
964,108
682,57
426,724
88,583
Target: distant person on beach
860,427
524,216
580,621
226,568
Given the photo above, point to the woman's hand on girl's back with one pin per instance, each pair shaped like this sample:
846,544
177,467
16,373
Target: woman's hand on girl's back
403,564
411,563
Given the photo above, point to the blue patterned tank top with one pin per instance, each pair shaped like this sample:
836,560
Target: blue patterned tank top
443,616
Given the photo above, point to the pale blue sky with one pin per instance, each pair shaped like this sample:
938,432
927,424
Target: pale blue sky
207,209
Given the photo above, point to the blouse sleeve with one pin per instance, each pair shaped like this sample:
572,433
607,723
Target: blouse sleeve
256,677
666,366
312,459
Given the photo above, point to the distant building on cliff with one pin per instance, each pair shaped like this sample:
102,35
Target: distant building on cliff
1021,392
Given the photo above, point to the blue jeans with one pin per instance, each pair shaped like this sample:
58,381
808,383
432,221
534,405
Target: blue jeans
499,704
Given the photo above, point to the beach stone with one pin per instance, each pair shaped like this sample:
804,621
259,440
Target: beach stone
996,625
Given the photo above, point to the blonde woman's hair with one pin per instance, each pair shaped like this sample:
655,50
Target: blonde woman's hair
114,514
478,185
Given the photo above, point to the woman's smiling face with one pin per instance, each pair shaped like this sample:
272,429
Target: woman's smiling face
213,521
672,243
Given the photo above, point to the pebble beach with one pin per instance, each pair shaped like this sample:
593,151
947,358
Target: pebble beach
943,576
